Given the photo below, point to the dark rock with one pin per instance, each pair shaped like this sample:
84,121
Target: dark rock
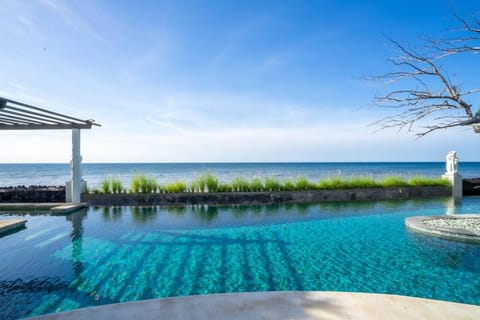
32,194
471,187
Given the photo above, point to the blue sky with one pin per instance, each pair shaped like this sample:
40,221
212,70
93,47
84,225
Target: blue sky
202,81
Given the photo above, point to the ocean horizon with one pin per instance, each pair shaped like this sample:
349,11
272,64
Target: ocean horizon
55,174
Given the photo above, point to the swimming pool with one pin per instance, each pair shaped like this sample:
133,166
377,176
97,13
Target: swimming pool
107,255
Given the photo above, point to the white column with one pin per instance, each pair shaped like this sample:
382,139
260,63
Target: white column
76,166
457,185
454,177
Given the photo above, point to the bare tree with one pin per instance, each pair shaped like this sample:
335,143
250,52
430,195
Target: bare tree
467,41
431,100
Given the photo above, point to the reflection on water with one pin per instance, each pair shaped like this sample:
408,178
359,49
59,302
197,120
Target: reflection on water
201,216
111,213
447,253
143,214
76,234
451,206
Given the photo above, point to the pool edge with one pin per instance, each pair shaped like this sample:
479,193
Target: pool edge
417,224
277,305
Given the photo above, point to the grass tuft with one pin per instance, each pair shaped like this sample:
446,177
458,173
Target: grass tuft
256,185
422,181
175,187
360,183
105,186
289,185
205,183
302,183
143,184
116,185
393,182
272,184
240,184
335,182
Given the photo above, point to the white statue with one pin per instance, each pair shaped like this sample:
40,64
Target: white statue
452,162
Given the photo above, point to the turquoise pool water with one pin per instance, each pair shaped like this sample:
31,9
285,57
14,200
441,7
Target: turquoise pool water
108,255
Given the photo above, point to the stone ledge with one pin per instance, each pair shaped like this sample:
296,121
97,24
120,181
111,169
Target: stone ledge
463,235
21,206
67,208
10,225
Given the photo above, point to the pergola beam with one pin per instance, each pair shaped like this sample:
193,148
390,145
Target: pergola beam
16,115
33,115
33,126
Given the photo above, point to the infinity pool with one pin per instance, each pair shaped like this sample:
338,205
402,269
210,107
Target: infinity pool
107,255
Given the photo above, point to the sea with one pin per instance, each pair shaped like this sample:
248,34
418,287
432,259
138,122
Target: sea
56,174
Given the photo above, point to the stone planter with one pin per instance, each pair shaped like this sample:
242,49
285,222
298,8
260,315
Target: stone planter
255,198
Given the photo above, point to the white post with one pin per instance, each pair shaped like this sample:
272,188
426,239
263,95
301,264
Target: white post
453,176
76,166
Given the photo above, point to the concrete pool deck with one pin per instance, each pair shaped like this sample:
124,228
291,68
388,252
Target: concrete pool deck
456,230
278,305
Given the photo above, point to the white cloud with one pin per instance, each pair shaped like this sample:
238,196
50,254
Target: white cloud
71,18
226,110
25,24
322,141
329,142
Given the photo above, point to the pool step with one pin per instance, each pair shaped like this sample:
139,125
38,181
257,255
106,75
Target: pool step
11,224
67,208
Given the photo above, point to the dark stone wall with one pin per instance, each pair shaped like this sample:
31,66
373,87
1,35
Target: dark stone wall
471,187
32,194
57,194
254,198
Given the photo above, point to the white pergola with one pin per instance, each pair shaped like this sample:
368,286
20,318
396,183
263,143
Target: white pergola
15,115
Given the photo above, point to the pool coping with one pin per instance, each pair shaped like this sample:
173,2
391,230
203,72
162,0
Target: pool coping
56,208
417,224
277,305
30,206
10,225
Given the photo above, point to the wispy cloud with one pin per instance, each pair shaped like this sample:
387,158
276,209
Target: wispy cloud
219,110
26,23
71,18
133,70
329,142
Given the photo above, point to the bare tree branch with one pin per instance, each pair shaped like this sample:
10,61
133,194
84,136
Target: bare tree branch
467,40
429,100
